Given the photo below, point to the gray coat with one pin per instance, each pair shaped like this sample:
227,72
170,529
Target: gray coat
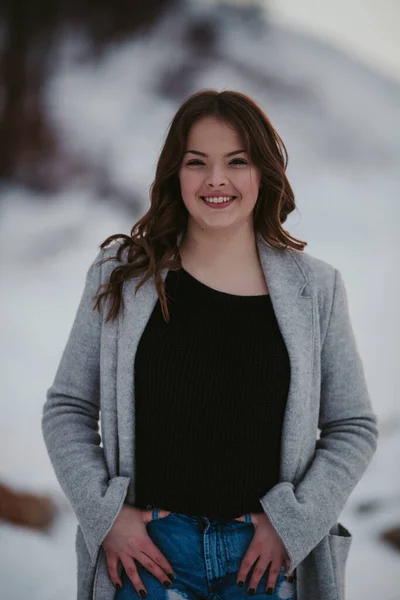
327,392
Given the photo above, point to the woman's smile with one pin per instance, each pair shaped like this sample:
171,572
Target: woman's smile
218,201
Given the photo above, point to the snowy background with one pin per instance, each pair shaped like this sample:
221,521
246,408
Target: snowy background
332,90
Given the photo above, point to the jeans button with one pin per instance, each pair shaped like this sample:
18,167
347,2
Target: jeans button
149,507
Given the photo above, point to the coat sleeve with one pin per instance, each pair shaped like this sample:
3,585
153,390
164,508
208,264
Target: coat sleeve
70,424
303,514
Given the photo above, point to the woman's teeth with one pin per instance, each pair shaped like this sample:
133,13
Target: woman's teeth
218,199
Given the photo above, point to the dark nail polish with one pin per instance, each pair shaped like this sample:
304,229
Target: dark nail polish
270,591
252,591
290,579
240,583
167,583
118,586
171,575
142,593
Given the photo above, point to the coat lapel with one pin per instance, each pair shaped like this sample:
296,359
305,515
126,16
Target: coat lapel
293,306
138,309
293,309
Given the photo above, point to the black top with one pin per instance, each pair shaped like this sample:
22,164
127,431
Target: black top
210,394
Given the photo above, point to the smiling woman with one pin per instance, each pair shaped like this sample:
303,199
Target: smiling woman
215,350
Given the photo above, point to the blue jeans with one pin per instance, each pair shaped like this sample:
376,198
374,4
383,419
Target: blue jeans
206,557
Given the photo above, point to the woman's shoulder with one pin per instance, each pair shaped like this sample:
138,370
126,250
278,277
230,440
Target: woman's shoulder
106,260
311,263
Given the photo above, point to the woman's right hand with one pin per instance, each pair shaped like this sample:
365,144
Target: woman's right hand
128,540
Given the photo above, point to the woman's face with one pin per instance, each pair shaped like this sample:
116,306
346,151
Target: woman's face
215,165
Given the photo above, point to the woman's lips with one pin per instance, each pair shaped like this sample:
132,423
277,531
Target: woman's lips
218,205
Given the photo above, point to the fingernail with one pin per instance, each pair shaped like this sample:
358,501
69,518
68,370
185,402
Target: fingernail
270,591
252,591
142,593
171,575
290,579
118,586
167,583
240,583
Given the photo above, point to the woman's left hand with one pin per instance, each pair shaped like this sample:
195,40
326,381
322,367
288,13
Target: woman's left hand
266,546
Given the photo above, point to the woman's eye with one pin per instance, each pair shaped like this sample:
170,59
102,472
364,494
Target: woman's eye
238,161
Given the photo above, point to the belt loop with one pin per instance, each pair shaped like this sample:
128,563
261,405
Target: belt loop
247,518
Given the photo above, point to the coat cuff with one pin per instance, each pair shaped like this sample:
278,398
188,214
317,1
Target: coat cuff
96,516
279,504
299,525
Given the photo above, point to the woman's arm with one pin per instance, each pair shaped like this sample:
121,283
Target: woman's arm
304,514
70,424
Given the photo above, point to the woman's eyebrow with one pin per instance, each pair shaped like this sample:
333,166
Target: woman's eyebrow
206,155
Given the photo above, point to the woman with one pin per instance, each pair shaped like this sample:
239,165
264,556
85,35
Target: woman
216,349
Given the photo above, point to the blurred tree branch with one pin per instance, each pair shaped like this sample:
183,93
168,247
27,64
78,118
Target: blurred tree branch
28,44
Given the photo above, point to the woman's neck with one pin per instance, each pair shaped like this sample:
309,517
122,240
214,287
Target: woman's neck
219,251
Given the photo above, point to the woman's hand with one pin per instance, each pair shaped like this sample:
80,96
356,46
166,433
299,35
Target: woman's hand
128,540
266,546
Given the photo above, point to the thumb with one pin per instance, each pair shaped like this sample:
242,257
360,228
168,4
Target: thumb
147,515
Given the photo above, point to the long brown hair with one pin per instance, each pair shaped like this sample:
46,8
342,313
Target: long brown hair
153,242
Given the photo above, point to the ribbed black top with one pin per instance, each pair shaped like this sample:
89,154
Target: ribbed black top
210,394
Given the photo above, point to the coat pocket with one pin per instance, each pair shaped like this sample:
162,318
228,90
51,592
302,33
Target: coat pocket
340,540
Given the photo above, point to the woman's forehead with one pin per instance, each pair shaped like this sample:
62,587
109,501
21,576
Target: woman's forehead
212,135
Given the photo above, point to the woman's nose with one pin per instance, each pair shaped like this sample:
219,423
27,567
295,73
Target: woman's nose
216,177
